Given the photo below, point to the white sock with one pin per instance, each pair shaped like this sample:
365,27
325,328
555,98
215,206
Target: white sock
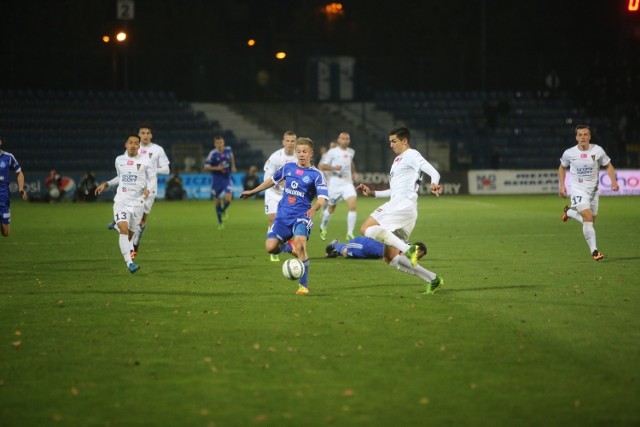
403,264
572,213
326,216
351,221
376,232
138,234
125,247
589,235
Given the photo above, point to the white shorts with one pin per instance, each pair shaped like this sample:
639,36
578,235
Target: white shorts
341,191
271,200
398,216
148,202
130,212
581,200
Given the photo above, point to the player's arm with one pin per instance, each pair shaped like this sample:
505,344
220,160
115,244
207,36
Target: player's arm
209,166
612,176
233,163
267,183
21,185
320,201
368,192
113,182
562,175
163,164
326,164
354,172
435,187
152,181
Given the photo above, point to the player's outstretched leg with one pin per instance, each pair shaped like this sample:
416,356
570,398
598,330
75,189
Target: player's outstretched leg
412,254
303,286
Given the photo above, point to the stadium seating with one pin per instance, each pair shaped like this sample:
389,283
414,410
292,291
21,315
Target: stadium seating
509,130
79,130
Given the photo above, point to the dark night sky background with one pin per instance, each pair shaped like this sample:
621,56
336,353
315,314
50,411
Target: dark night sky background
197,48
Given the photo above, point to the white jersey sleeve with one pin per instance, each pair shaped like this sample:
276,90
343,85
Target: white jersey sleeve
157,156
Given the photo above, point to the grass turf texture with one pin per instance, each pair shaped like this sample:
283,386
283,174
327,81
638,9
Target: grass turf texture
528,329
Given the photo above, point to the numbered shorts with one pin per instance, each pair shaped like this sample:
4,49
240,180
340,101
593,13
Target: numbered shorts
398,216
340,191
581,200
130,212
271,200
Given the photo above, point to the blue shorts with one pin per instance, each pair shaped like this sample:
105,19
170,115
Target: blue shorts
220,188
5,213
285,230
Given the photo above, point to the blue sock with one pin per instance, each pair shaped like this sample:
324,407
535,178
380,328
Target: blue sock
304,280
219,213
285,248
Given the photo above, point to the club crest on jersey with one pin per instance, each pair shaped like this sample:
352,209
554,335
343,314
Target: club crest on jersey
138,165
593,157
306,179
291,200
150,154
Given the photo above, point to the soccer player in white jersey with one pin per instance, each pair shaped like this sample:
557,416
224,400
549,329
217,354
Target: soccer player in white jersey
584,162
393,222
160,162
136,180
272,195
341,170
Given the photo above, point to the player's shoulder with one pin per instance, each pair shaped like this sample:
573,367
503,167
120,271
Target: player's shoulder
156,148
412,154
276,154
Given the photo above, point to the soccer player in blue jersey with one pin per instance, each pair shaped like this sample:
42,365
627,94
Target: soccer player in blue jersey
8,164
303,184
221,163
361,247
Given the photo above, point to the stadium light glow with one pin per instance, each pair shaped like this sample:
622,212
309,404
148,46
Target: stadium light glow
121,36
251,42
281,55
106,39
633,5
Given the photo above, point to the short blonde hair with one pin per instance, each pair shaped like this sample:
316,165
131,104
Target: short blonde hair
304,141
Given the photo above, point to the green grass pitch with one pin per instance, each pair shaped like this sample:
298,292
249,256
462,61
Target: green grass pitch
528,329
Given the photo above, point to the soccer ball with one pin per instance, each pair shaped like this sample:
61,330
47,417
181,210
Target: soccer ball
293,269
